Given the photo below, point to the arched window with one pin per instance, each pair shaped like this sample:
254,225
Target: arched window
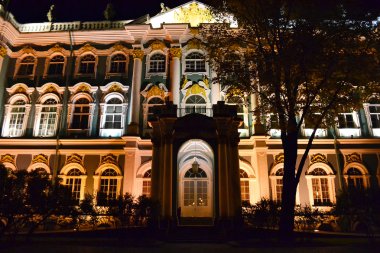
73,182
48,118
108,187
113,114
146,187
244,185
56,65
239,102
355,179
81,114
26,67
148,109
195,62
157,63
87,64
118,64
15,127
195,104
277,183
320,187
195,188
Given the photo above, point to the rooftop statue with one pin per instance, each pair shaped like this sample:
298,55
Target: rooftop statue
50,15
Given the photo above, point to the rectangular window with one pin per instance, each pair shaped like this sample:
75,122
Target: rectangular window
74,185
320,191
16,121
374,112
146,188
188,195
279,186
202,193
244,188
346,120
47,121
80,117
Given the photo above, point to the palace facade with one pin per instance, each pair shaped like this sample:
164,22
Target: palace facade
80,100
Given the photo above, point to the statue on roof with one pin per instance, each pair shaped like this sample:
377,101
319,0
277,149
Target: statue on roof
164,8
50,15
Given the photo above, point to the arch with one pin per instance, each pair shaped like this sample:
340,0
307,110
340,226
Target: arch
18,96
324,166
10,166
355,165
105,166
35,166
46,88
358,181
115,94
115,84
70,166
47,96
247,167
143,168
80,95
16,88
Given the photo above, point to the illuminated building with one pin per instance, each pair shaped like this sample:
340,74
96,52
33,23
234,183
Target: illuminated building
77,98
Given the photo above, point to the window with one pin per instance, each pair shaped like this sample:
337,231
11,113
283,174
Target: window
195,188
154,101
73,182
26,67
118,64
157,63
320,187
56,65
146,188
195,104
108,187
87,64
81,114
16,119
355,179
277,184
244,186
346,120
374,114
113,114
239,102
48,118
195,62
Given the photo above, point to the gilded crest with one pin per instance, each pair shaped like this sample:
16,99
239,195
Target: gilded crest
41,158
3,51
233,91
28,50
175,52
87,47
157,45
138,53
8,158
196,89
352,158
155,91
57,48
194,44
318,158
193,14
118,47
74,158
109,158
278,159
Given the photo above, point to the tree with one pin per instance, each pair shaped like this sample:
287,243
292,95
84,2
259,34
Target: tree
305,61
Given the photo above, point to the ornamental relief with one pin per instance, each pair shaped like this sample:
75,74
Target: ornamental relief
278,159
352,158
155,90
109,158
74,158
157,45
41,158
8,158
193,14
318,158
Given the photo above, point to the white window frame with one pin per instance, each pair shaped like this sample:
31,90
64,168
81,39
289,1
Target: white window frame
39,109
71,113
375,131
146,106
184,63
149,73
112,132
187,108
363,170
349,132
98,177
7,131
79,62
320,132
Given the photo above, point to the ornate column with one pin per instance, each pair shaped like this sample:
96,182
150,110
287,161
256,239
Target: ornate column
175,73
134,110
3,69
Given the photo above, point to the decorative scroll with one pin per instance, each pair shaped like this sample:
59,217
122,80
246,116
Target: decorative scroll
157,45
109,158
194,44
41,158
3,51
8,158
74,158
87,47
278,159
138,53
233,91
29,50
196,89
57,48
318,158
352,158
175,52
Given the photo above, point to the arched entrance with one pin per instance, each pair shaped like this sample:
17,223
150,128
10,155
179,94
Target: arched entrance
195,165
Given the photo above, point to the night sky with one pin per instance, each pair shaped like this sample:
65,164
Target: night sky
26,11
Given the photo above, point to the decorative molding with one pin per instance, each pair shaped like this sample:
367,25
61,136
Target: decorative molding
175,52
41,158
278,159
8,158
194,44
196,89
157,45
138,53
234,91
318,158
352,158
193,14
29,50
154,90
109,158
74,158
3,51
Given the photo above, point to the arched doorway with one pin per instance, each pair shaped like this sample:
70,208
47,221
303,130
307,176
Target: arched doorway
196,177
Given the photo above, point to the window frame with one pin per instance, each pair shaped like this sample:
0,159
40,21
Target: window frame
197,61
79,64
20,64
110,62
49,62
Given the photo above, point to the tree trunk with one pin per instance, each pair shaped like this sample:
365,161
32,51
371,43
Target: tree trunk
286,225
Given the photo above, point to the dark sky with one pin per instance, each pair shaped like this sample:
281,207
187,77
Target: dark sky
26,11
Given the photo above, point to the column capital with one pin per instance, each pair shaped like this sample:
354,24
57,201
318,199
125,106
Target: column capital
175,52
138,54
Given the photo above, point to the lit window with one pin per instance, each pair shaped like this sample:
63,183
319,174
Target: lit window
113,114
26,67
195,104
48,118
157,63
56,65
277,184
81,114
118,64
73,182
146,188
244,186
195,62
195,188
355,179
374,113
15,126
320,187
87,64
346,120
108,187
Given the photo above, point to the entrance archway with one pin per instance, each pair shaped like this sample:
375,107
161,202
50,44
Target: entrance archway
196,183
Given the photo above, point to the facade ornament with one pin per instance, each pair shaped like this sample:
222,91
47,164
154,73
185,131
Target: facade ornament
194,31
87,47
194,44
28,50
175,52
193,14
74,158
278,159
155,91
164,8
206,81
196,89
118,47
3,51
115,88
233,91
109,158
138,53
318,158
157,45
352,158
50,15
57,48
83,88
184,82
41,158
8,158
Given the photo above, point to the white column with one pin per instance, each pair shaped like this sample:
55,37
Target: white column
175,74
215,90
134,111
